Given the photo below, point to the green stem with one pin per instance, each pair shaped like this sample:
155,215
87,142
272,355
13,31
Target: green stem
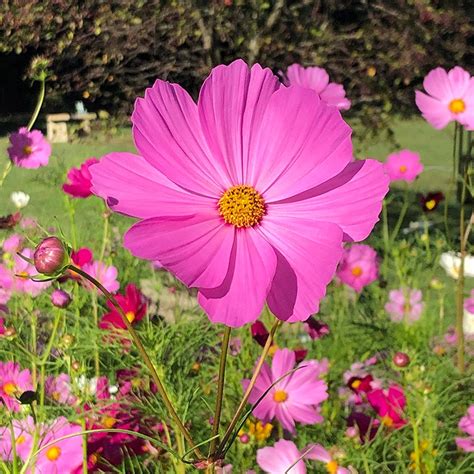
13,444
106,216
416,447
401,216
84,447
96,325
220,390
253,380
39,104
6,172
146,359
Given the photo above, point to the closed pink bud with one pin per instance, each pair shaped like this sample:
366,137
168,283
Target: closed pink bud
60,299
50,256
244,438
400,359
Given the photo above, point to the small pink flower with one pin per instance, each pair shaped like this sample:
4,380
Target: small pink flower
466,424
318,453
104,274
60,456
13,382
405,305
358,267
29,149
404,165
12,244
23,271
6,285
450,97
389,405
79,185
59,389
317,79
296,397
23,431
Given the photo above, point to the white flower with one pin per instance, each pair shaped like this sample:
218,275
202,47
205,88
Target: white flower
451,262
20,199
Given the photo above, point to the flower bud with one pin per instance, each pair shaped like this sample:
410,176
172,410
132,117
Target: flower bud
244,438
60,298
50,256
400,359
76,365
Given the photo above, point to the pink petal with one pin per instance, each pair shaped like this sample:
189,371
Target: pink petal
277,459
436,83
335,95
305,414
317,453
168,135
307,255
231,105
284,417
459,80
352,200
241,297
301,143
305,389
314,77
197,249
131,185
434,111
283,362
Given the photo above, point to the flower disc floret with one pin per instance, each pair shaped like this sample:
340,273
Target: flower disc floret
242,206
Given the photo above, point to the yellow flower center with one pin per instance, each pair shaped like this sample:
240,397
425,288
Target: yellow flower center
430,204
387,421
332,467
272,350
356,271
403,169
280,396
10,388
108,421
356,384
20,440
53,453
407,308
27,150
130,316
23,275
242,206
457,106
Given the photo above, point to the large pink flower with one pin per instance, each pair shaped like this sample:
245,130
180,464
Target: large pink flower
29,149
404,165
79,185
359,266
389,405
450,97
317,79
294,398
13,382
246,195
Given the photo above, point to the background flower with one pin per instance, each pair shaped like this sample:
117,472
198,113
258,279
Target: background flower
405,305
29,149
358,267
404,165
20,199
79,185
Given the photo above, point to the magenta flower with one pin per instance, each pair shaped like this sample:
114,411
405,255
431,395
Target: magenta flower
404,165
466,424
279,458
317,79
13,382
244,194
450,97
316,329
79,185
60,456
405,305
389,405
59,389
294,398
359,266
104,274
23,271
23,431
29,149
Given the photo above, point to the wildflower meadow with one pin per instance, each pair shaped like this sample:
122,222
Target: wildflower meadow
242,278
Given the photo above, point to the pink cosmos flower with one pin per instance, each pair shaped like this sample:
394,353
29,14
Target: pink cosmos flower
404,165
389,405
59,389
29,149
294,398
13,382
244,194
466,424
450,97
318,453
104,274
12,244
23,271
2,325
79,185
317,79
133,304
359,266
405,305
279,458
60,455
6,284
23,431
